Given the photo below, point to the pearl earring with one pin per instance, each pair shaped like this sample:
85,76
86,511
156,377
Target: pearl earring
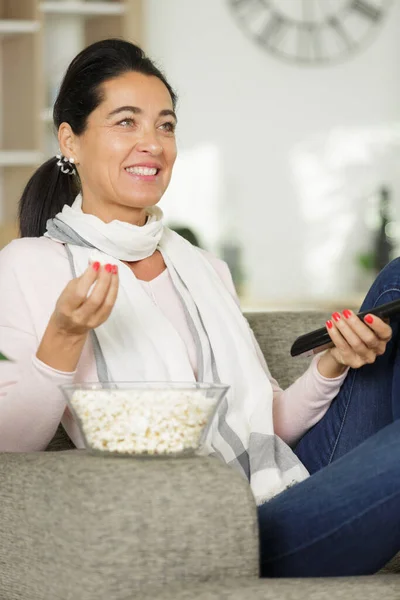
66,164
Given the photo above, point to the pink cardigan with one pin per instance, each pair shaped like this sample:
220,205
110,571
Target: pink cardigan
33,273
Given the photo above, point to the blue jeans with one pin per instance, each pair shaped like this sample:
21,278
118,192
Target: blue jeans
345,518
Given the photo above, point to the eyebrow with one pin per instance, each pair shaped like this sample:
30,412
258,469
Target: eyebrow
138,111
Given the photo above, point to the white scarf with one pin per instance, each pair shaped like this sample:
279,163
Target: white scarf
140,344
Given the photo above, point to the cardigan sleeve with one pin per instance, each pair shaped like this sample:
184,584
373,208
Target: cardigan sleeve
31,402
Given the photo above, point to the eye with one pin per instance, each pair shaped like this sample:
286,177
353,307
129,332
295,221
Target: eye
127,122
170,127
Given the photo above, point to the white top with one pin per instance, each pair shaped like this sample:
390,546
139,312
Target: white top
34,272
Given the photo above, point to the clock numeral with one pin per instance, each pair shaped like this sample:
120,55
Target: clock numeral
335,23
273,31
367,10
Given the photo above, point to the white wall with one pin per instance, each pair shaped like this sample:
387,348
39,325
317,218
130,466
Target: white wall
298,217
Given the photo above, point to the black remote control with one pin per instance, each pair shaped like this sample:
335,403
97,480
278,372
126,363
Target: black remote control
320,337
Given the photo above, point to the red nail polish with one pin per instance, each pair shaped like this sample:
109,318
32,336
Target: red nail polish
96,265
336,316
347,313
115,269
108,268
329,324
369,319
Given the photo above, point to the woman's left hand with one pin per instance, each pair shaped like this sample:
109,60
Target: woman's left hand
356,343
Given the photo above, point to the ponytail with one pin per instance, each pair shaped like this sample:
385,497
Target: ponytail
44,196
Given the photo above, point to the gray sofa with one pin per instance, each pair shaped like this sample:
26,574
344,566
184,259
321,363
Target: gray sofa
79,527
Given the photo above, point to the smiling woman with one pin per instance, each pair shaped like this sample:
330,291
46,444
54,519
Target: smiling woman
98,289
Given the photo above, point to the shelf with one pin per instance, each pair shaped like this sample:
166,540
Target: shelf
38,38
20,158
8,232
87,9
10,27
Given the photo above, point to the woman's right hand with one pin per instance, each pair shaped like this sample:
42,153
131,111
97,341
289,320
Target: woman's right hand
77,311
79,308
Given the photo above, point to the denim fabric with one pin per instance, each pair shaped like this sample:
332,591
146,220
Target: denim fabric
345,519
369,399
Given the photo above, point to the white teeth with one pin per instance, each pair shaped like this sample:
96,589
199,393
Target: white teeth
142,170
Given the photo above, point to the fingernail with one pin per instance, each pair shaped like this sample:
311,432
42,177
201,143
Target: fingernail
336,316
108,268
329,324
115,269
347,313
96,266
369,319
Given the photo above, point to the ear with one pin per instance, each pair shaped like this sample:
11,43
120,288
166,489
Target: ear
68,142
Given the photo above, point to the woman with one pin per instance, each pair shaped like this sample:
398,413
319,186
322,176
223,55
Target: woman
161,309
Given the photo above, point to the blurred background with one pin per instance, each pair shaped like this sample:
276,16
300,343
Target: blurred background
289,129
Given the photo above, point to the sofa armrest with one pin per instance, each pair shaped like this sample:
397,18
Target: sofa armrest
322,588
74,525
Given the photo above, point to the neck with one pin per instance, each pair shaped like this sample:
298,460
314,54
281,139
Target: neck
114,212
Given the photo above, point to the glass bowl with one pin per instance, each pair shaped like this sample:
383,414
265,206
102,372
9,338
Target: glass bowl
144,419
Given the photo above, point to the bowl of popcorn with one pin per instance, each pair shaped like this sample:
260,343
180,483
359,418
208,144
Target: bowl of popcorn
146,419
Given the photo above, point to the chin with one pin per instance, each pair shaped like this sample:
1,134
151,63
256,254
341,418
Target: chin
141,201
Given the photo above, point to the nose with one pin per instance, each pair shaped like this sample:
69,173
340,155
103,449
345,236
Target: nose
149,143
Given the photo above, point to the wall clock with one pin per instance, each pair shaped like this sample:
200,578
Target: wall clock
312,32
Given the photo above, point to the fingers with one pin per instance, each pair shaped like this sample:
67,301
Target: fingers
336,334
357,333
379,326
89,310
373,332
87,301
108,304
78,288
358,342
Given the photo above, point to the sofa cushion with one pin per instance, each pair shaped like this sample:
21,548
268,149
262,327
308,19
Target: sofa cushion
276,332
354,588
75,525
393,566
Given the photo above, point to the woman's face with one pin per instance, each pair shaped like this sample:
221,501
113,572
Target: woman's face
126,154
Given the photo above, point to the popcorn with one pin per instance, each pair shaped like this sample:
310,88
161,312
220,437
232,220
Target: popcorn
143,421
103,259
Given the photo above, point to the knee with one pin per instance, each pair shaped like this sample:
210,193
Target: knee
386,286
390,275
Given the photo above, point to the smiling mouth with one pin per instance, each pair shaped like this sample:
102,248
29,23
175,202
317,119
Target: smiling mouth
146,171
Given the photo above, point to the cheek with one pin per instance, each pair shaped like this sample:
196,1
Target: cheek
171,153
115,144
92,152
102,156
108,146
